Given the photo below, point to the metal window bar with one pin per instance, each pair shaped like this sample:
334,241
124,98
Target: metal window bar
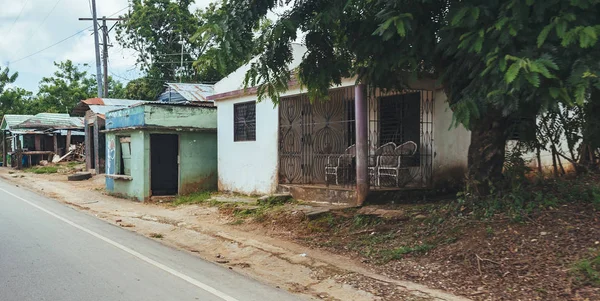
313,135
244,128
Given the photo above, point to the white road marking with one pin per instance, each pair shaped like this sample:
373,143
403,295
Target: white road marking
159,265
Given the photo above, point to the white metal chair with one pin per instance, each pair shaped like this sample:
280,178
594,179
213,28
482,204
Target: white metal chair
385,149
339,164
391,164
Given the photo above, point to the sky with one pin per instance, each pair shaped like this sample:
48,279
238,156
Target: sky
29,26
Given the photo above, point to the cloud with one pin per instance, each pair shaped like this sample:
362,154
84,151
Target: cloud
39,26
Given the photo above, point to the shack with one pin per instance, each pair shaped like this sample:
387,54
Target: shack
93,111
161,149
31,139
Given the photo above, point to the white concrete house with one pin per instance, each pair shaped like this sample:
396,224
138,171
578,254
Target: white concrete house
263,147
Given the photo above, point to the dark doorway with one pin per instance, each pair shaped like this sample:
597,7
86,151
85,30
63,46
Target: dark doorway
164,149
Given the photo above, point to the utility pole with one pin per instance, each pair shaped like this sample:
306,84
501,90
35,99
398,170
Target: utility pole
97,48
181,67
105,54
101,88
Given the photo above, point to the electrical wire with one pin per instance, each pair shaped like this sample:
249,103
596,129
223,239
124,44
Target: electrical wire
65,39
41,24
17,18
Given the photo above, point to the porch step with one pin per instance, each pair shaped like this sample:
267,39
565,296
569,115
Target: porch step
317,194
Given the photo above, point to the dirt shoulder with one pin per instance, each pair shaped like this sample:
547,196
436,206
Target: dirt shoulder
273,256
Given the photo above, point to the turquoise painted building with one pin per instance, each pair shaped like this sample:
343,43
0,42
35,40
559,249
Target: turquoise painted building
161,149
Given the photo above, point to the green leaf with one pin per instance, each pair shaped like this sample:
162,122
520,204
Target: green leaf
580,94
475,13
512,72
400,28
502,64
533,79
587,37
544,34
478,45
561,28
460,14
554,92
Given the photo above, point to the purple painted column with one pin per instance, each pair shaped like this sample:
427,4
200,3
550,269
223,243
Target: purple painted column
362,144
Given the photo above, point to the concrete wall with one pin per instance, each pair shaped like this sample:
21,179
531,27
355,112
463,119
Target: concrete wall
180,116
138,186
248,166
450,144
197,167
198,157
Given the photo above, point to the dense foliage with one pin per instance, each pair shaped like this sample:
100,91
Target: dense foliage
497,60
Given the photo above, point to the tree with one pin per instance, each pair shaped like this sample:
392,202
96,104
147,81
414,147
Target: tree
156,29
497,60
143,88
67,87
13,100
61,92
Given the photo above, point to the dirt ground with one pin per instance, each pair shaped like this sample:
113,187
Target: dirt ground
272,254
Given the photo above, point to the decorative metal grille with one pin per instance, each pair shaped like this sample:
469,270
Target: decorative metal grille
244,116
310,133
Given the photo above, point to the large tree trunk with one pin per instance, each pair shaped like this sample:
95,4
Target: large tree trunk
486,153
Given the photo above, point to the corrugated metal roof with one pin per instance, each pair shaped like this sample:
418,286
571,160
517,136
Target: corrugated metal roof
51,121
85,105
12,120
205,104
120,102
98,109
191,92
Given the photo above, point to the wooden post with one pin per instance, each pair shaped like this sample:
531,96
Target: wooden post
362,144
68,141
95,136
38,142
55,144
4,150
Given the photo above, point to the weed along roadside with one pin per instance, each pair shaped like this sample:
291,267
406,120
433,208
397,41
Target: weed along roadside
239,233
537,241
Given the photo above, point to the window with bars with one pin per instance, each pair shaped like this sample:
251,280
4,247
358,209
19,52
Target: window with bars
244,121
125,160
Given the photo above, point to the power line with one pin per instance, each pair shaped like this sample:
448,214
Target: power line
41,50
75,34
17,18
41,24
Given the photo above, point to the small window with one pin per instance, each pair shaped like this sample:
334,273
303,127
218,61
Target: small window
244,121
125,162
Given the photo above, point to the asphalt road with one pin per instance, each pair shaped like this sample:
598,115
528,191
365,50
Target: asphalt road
49,251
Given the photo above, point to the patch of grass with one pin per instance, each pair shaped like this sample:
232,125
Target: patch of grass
43,169
587,271
398,253
521,201
364,221
322,224
194,198
156,235
236,222
73,164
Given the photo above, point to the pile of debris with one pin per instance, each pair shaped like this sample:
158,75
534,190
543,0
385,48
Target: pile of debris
76,153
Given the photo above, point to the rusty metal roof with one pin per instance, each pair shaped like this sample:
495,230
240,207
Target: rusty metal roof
191,92
51,121
85,105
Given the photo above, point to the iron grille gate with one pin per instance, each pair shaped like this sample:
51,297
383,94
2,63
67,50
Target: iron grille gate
309,133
